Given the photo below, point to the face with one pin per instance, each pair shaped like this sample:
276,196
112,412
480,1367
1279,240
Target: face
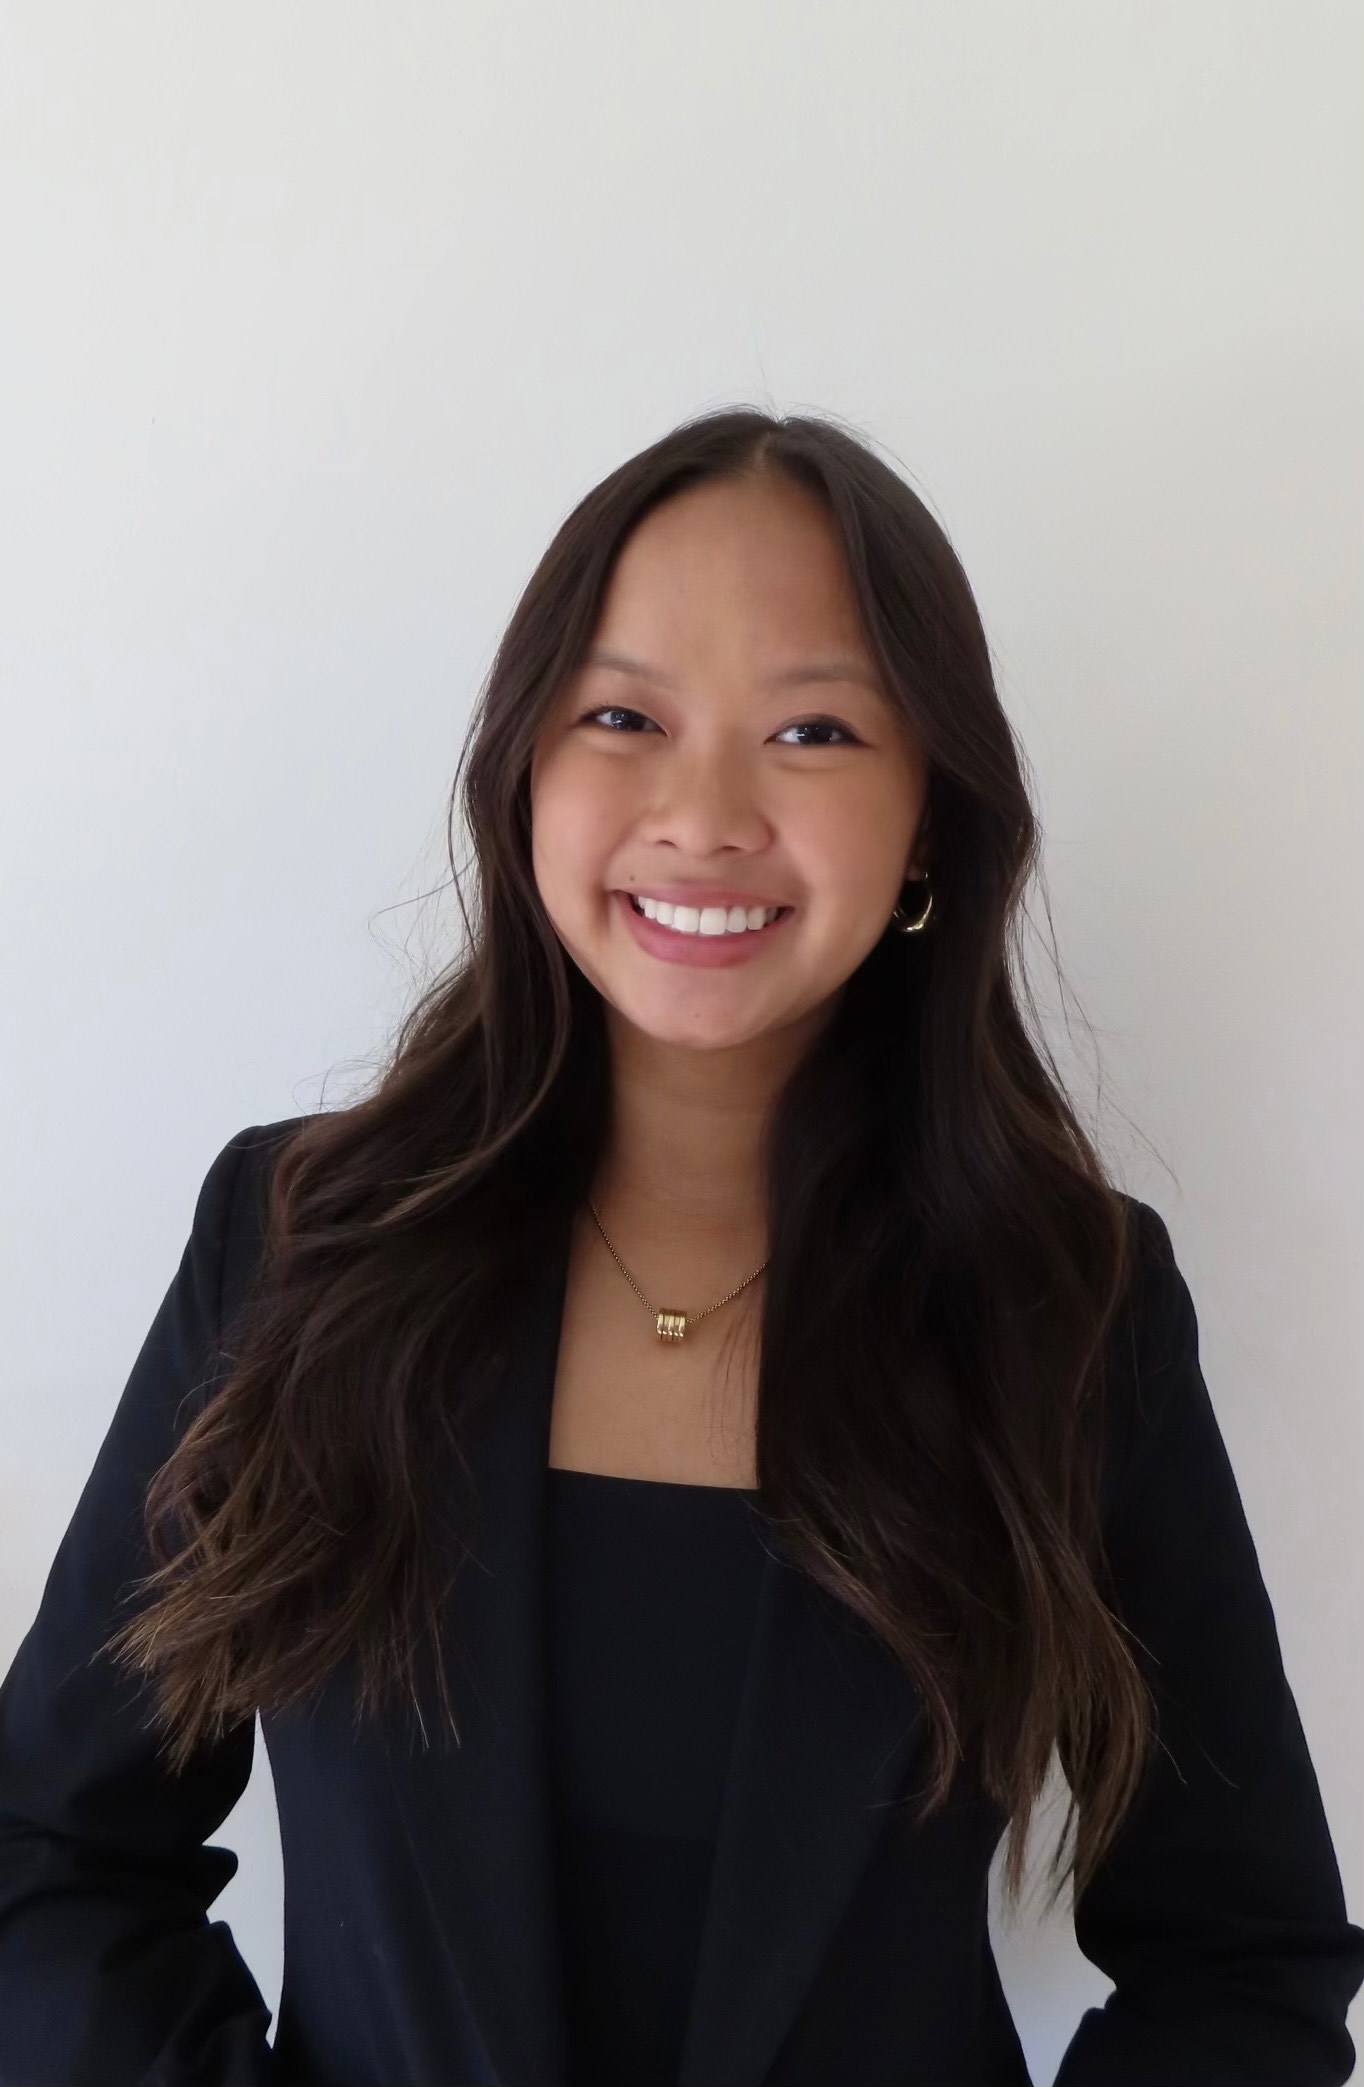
709,763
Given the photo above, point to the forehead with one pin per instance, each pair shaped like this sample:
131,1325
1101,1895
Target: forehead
752,564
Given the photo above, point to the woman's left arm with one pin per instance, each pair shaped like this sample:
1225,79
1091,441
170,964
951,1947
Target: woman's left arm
1218,1912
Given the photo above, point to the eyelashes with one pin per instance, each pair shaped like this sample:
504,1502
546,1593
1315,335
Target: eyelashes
849,737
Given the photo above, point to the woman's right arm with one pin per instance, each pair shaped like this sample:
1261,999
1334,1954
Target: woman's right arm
111,1973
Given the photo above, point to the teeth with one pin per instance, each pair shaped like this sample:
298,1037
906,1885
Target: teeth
705,920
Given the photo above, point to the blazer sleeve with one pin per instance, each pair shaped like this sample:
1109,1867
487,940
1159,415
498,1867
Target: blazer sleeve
1218,1913
111,1973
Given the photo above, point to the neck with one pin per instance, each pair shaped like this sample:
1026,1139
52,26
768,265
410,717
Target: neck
633,1194
683,1161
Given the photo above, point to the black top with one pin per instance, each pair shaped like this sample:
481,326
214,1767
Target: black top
651,1595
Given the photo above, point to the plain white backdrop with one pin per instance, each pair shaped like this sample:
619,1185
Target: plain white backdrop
316,321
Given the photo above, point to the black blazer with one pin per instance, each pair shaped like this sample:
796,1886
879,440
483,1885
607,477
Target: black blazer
419,1929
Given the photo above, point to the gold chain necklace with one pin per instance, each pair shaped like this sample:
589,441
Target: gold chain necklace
670,1326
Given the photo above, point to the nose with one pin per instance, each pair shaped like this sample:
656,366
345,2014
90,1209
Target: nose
706,803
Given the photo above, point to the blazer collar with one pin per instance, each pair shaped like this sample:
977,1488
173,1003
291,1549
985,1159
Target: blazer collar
827,1726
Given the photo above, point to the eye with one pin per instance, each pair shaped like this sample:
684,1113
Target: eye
806,724
818,724
609,710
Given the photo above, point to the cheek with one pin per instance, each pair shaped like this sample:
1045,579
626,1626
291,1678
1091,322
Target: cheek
572,842
845,854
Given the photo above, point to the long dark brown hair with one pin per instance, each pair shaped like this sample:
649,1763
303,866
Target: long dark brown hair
946,1255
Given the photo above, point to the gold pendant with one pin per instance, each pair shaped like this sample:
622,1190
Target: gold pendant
672,1326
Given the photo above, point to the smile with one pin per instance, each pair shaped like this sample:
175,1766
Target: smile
705,920
704,939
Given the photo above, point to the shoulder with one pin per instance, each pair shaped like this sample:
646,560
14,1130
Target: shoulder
231,1192
1154,1392
249,1153
229,1217
1157,1308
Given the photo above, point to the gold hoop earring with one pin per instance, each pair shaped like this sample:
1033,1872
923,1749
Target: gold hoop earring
900,920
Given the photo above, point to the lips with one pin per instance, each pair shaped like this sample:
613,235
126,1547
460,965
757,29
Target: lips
708,951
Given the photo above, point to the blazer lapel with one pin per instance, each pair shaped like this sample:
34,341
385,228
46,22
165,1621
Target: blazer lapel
827,1724
477,1815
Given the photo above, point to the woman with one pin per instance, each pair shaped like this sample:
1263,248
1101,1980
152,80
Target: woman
672,1463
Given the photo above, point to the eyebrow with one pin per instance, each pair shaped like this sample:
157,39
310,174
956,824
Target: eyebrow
786,677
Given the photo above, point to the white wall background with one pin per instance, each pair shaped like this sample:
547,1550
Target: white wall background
316,320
